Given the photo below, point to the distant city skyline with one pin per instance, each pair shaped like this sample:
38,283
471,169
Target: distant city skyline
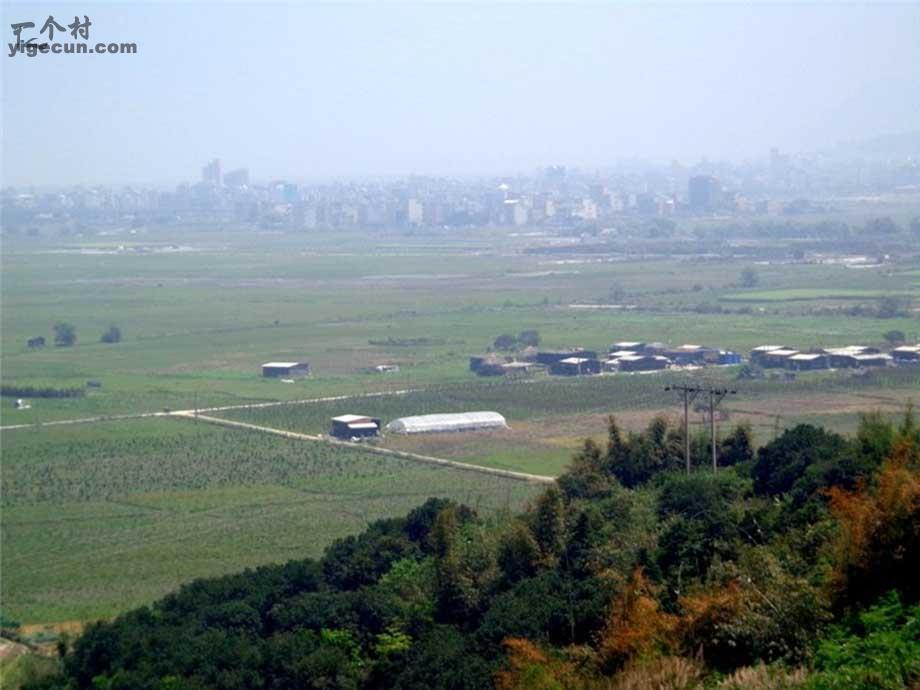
308,92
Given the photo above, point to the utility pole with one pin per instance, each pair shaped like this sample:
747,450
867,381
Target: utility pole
688,393
715,397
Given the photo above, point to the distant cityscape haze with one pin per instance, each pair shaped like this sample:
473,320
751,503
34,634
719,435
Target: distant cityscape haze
305,92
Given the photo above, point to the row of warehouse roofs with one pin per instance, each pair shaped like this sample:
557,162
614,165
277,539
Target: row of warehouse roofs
852,356
631,356
350,426
627,356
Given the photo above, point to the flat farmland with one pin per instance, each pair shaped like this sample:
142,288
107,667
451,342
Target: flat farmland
549,417
103,516
811,295
199,315
99,519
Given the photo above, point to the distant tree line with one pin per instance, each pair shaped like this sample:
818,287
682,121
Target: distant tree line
11,391
506,341
65,335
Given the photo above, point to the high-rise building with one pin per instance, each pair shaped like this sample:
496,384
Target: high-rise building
415,212
704,193
210,173
237,178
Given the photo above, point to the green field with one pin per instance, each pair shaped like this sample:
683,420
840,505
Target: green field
549,416
97,519
100,517
197,324
809,294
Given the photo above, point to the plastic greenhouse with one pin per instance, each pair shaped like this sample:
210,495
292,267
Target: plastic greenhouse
461,421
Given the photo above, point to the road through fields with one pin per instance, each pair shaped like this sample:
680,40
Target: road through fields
427,459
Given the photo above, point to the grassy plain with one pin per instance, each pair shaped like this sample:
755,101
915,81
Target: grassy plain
101,517
198,323
549,416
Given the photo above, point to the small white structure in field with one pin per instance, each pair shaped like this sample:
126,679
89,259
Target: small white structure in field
21,404
460,421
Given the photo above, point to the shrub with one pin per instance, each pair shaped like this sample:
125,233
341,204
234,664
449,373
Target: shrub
65,334
112,335
764,678
880,651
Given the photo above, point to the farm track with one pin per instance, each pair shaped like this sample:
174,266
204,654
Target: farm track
427,459
223,408
196,414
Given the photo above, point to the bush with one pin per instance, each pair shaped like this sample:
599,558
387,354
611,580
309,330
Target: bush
764,678
529,338
112,335
880,651
505,341
749,278
893,306
65,334
786,460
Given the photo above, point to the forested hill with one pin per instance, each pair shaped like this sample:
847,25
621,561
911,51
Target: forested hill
793,567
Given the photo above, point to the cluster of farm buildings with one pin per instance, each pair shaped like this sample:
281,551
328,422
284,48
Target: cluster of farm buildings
627,356
635,356
622,357
849,357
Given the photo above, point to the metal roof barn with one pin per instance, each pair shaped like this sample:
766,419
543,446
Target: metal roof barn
285,369
460,421
354,426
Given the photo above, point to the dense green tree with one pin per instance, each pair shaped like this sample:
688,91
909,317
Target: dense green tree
700,518
731,568
749,278
893,306
359,560
505,341
65,334
784,461
639,457
420,520
111,335
518,553
529,338
882,226
587,476
737,447
894,337
548,525
444,659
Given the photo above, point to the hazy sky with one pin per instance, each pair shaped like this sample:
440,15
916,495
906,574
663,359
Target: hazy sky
306,91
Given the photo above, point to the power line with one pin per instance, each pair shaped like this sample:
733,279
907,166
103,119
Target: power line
716,395
688,395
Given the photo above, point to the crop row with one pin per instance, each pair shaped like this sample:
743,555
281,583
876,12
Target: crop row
203,457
